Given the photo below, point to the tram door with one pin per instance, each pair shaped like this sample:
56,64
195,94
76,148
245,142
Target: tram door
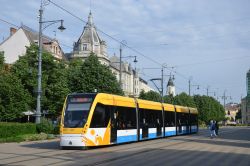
114,122
144,129
158,127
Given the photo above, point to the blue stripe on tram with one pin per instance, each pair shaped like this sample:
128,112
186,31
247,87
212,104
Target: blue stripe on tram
128,138
170,133
194,130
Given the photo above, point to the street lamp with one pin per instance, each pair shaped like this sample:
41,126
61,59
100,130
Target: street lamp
190,85
120,68
135,61
39,75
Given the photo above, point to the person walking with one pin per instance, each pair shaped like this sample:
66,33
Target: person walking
212,129
216,128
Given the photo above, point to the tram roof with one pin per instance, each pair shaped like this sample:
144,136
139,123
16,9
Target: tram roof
146,104
193,110
181,109
109,99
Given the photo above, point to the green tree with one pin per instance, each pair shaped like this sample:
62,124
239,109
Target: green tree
169,99
184,100
54,79
14,98
91,75
1,60
151,95
57,88
209,108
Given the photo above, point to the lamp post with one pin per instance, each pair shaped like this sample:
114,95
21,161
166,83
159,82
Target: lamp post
39,75
122,44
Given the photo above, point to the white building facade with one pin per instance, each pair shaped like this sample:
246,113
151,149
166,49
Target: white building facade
15,45
170,87
89,41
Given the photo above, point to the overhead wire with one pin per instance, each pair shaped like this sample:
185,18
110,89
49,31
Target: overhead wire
118,41
134,50
129,47
8,22
48,38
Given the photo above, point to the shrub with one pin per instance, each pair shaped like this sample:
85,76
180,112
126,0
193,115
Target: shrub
26,137
15,129
202,124
45,126
34,137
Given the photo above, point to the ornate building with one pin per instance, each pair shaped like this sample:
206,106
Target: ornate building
89,41
231,109
170,87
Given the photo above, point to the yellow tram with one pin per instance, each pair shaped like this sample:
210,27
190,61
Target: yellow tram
95,119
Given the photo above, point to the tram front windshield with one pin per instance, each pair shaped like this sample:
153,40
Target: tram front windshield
77,111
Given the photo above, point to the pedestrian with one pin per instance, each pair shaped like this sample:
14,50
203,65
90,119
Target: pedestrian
216,128
212,129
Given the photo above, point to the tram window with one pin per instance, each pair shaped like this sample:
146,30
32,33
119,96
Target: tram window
126,118
193,119
150,118
182,118
169,119
178,119
100,117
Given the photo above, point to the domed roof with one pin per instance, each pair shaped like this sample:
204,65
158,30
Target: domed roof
170,82
90,34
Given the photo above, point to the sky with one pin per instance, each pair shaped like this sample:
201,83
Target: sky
205,41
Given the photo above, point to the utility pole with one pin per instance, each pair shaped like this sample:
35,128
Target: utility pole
189,86
122,44
224,97
162,84
120,72
39,75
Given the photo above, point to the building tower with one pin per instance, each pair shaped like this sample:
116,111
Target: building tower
88,42
248,83
170,87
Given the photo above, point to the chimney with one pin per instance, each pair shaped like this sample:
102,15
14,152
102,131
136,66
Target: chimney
12,31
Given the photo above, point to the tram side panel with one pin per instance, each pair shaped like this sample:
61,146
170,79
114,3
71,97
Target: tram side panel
170,129
125,124
194,123
182,123
151,124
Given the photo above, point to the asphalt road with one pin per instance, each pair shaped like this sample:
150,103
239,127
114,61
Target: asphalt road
230,148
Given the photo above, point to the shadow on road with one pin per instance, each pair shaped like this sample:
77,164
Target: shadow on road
240,137
43,145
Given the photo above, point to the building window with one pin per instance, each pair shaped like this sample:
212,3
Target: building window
84,47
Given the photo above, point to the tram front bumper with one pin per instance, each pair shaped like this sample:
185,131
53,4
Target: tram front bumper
71,140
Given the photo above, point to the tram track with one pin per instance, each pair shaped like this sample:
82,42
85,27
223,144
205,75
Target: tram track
147,150
181,140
